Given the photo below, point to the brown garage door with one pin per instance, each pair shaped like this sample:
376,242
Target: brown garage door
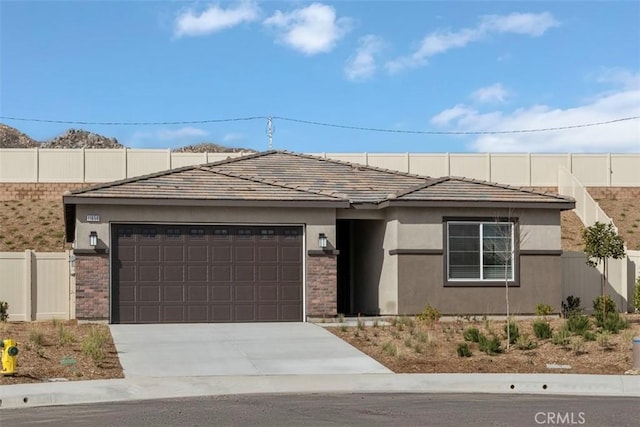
193,273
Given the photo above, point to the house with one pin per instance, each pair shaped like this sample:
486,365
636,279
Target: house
280,236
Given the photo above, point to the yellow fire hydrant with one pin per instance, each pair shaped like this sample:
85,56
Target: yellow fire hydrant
9,353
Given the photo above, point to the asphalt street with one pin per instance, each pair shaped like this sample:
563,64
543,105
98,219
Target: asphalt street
340,410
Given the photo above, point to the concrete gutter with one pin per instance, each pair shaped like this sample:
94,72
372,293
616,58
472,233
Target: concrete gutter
83,392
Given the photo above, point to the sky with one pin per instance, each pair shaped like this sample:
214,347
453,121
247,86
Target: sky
430,76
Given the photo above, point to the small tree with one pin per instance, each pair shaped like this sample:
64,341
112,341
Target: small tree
601,242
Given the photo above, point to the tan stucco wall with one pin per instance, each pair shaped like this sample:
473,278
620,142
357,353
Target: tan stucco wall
421,228
421,282
316,220
388,287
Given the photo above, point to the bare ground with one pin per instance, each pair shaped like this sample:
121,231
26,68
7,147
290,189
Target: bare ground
431,348
46,353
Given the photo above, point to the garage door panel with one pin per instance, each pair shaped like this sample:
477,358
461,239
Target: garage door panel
244,254
173,273
245,313
149,253
268,312
221,254
127,253
148,314
268,273
197,313
267,292
182,273
268,254
127,273
173,253
173,313
221,293
197,293
244,292
221,313
148,294
221,273
197,274
149,273
127,293
291,273
290,293
197,253
172,293
245,273
290,312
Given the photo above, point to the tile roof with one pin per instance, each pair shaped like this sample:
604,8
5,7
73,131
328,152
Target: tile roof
286,176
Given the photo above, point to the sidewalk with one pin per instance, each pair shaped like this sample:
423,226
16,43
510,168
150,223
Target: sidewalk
142,388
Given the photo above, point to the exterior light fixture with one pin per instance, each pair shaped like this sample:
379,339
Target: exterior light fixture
322,241
93,239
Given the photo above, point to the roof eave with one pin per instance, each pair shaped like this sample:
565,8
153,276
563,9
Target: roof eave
559,205
154,201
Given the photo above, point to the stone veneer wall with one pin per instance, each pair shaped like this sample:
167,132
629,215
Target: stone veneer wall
36,191
92,287
322,285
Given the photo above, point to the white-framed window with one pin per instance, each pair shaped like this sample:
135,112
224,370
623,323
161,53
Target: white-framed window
480,251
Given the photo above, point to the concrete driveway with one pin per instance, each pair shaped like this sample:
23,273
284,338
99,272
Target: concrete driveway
194,350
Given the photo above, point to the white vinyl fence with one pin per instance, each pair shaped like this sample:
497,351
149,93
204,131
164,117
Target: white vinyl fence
37,285
523,169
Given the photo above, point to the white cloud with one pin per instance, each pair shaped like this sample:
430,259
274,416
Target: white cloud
215,18
618,76
311,30
615,137
362,65
185,132
531,24
489,94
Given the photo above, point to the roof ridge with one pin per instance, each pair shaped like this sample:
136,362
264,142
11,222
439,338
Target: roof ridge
274,183
511,187
433,181
240,157
345,163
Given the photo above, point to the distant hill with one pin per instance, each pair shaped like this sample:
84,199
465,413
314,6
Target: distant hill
13,138
77,138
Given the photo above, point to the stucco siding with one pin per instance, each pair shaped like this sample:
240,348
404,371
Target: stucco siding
420,282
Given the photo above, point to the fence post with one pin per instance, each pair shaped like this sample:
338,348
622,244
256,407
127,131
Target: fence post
30,294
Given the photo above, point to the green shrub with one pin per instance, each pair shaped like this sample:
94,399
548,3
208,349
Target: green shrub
604,340
562,337
4,308
571,306
490,346
64,335
589,336
93,345
524,342
430,314
609,307
614,322
36,337
542,329
463,350
544,310
578,324
513,331
471,334
390,348
636,295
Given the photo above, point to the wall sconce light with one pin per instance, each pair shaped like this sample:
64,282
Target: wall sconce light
93,239
322,241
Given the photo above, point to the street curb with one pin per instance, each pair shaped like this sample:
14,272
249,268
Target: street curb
144,388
